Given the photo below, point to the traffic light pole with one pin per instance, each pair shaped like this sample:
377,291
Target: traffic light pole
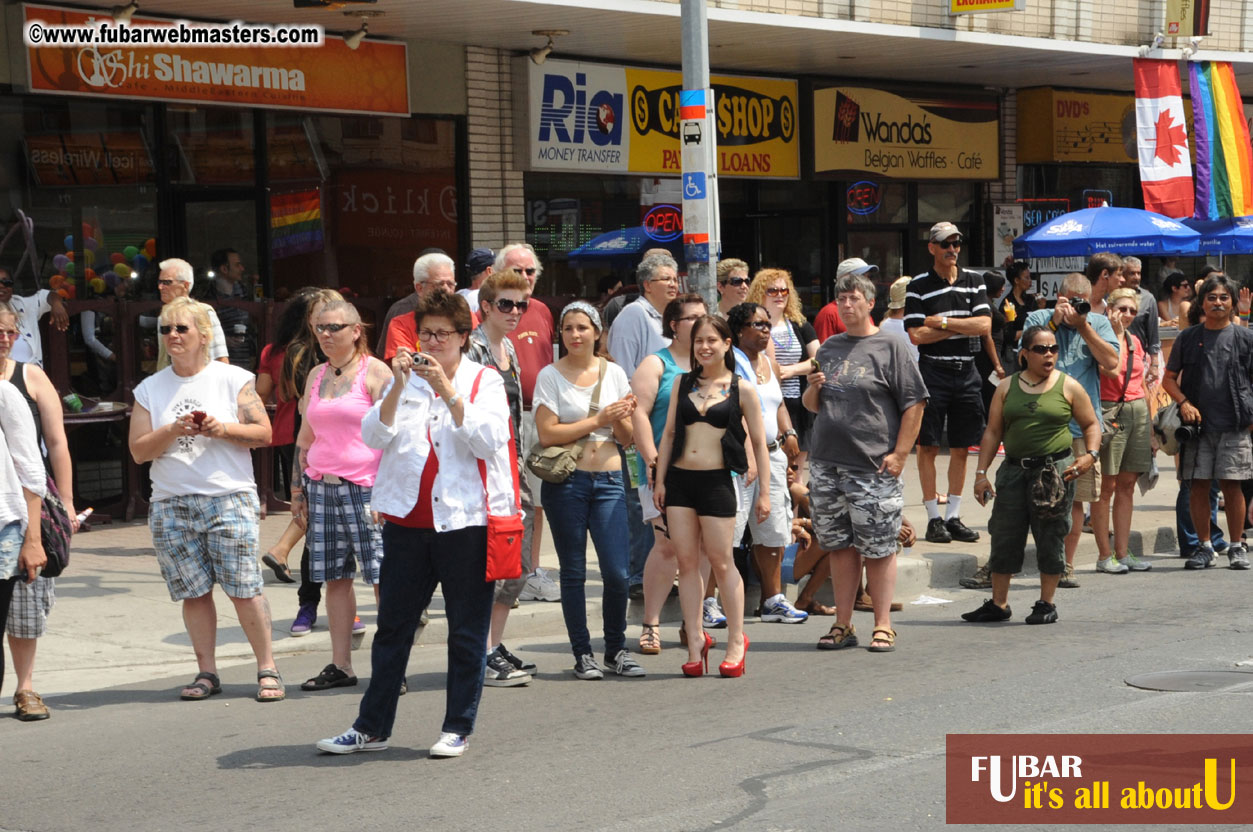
698,140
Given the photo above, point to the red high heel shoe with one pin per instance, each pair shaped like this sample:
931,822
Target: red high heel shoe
734,671
701,665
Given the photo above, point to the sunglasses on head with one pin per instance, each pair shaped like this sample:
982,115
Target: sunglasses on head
325,328
1044,349
181,329
777,292
531,272
949,244
736,281
505,305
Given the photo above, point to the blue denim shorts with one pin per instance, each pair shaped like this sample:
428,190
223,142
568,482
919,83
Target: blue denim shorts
10,549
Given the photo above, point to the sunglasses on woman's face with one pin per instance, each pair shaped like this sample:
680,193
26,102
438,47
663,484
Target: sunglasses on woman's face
777,291
181,329
1044,349
325,328
735,281
760,326
505,305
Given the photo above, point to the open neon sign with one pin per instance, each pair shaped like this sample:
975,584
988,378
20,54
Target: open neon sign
664,223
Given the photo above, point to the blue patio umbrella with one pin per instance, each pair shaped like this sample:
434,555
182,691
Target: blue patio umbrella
1233,235
1120,230
624,243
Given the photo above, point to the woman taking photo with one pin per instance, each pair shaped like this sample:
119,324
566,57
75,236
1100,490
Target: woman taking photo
1031,414
652,385
197,421
584,400
1129,453
337,470
794,343
442,418
1173,300
703,443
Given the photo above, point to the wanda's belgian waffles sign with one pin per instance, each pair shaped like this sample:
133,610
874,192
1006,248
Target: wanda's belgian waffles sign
329,77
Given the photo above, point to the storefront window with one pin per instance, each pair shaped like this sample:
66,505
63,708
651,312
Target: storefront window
211,146
867,202
949,201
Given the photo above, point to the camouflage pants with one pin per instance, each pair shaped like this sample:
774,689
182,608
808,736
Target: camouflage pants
857,509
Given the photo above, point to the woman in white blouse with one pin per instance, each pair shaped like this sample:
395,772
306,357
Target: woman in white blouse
22,487
442,416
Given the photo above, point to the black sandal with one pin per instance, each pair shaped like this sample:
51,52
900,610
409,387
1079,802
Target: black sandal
281,570
330,677
213,687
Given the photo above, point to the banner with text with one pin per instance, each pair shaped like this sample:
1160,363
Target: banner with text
980,6
863,130
602,118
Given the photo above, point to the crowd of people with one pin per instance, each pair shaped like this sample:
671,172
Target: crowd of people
700,432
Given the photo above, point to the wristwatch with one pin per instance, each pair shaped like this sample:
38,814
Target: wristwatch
1095,454
788,432
980,472
453,401
944,322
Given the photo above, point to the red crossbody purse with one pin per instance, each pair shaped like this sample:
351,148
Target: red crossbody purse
504,532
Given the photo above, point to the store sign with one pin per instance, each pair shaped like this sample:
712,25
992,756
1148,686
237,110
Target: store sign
374,79
63,159
663,223
1006,225
981,6
871,131
382,208
600,118
1185,18
863,198
1069,126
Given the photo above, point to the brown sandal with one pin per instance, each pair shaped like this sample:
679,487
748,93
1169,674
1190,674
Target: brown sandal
865,604
650,639
29,706
838,638
882,634
815,608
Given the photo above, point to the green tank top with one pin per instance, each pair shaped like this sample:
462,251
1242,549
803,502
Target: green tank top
1039,424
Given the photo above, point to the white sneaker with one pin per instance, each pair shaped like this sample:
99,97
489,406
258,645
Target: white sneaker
450,745
351,741
713,615
779,610
540,587
1112,565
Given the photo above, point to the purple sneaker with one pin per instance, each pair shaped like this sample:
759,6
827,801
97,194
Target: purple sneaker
358,626
305,618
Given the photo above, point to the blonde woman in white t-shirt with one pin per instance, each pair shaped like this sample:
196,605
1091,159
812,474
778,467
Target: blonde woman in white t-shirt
593,499
196,421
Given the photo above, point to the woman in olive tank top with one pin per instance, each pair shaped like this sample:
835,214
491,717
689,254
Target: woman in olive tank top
1031,413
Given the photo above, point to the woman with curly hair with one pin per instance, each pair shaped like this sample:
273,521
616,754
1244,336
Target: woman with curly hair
794,343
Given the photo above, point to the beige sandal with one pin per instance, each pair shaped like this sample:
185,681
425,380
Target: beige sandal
882,634
838,637
650,639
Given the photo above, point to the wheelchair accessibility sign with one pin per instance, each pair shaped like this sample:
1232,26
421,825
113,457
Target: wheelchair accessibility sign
693,186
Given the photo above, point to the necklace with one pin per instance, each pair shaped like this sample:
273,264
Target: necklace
705,396
339,371
761,377
1029,382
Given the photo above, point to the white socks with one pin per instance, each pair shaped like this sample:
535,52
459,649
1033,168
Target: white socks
954,507
933,509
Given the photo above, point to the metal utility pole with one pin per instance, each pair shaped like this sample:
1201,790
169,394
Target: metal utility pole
698,137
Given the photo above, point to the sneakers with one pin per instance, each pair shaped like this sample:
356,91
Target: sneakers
1112,565
587,668
635,592
352,741
305,618
525,667
988,612
358,626
500,673
1202,558
937,531
714,619
982,579
450,745
779,610
1068,580
1042,612
1238,556
959,531
540,587
1136,564
624,665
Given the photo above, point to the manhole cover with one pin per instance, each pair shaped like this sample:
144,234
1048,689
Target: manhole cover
1191,681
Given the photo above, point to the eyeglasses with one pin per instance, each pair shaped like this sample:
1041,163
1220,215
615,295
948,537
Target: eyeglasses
671,279
8,284
690,318
950,244
165,282
736,281
323,329
439,336
1044,349
531,272
505,305
181,329
1127,310
760,326
10,333
778,292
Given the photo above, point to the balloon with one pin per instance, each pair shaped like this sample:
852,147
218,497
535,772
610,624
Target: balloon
63,293
59,261
150,247
69,269
90,243
68,291
117,257
56,281
140,262
89,257
110,278
69,255
122,270
88,230
89,274
130,252
97,285
69,241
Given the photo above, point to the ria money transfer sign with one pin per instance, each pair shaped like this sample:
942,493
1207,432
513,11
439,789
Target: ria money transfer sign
601,118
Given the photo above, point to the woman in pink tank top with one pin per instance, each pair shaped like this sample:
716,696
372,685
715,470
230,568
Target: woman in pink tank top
338,471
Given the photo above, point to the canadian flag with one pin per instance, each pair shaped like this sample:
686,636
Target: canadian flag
1162,138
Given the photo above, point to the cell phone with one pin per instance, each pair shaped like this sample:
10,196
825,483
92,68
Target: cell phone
198,416
813,362
986,495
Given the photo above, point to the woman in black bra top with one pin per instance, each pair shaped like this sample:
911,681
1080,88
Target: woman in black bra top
704,441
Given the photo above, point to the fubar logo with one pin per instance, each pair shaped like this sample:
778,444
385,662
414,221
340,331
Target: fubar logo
568,116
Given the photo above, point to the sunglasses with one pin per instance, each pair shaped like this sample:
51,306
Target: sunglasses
1044,349
950,244
760,326
776,292
181,329
531,272
505,305
165,282
8,284
323,329
736,281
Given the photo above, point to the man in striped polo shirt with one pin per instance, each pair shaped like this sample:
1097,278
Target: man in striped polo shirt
946,315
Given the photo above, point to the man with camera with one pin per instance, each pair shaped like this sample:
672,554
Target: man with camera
1209,374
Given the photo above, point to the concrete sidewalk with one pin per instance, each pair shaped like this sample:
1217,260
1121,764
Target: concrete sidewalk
114,622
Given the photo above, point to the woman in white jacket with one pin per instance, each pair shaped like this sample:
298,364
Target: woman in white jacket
440,417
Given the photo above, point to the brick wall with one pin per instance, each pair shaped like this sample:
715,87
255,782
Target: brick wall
496,202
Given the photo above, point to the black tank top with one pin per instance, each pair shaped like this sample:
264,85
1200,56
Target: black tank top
734,455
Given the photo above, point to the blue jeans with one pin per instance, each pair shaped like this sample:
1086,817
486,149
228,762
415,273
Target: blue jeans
596,503
640,532
1184,530
414,561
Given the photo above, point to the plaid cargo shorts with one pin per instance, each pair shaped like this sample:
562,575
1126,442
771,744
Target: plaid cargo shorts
202,540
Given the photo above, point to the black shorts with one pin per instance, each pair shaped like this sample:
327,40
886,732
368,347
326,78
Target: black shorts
953,396
709,493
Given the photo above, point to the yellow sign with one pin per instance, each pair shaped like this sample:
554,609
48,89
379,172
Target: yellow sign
1185,18
980,6
1067,126
871,131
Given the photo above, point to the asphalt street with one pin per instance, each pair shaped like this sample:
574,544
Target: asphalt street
806,740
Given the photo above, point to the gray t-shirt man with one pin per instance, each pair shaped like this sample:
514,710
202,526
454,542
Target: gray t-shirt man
871,381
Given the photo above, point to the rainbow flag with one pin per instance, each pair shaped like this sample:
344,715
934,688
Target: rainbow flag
295,223
1224,160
